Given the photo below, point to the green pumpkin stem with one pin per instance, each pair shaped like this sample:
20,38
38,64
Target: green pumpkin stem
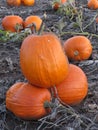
48,104
41,28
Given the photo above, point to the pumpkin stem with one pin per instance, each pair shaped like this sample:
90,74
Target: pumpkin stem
18,27
56,94
76,53
32,25
41,28
48,104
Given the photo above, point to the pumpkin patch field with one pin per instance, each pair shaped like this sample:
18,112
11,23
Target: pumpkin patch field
48,65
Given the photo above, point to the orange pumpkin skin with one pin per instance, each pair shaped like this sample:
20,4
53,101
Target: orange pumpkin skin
9,22
27,101
57,4
28,2
93,4
14,2
78,48
33,19
74,88
42,60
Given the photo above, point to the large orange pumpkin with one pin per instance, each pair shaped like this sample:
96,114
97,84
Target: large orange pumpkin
74,88
10,22
42,60
78,48
14,2
27,101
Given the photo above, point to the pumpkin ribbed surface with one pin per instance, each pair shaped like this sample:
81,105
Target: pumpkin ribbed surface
78,48
74,88
10,22
43,61
27,101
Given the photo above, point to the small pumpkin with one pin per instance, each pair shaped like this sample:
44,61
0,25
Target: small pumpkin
42,60
28,2
36,20
27,101
78,48
92,4
14,2
57,3
12,22
74,88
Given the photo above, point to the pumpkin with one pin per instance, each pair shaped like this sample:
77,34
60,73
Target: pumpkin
28,2
14,2
57,3
11,22
78,48
42,60
74,88
92,4
36,20
27,101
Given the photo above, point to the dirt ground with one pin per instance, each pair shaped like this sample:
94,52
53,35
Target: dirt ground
81,117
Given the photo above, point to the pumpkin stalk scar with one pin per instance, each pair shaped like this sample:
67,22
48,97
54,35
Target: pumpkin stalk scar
76,53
